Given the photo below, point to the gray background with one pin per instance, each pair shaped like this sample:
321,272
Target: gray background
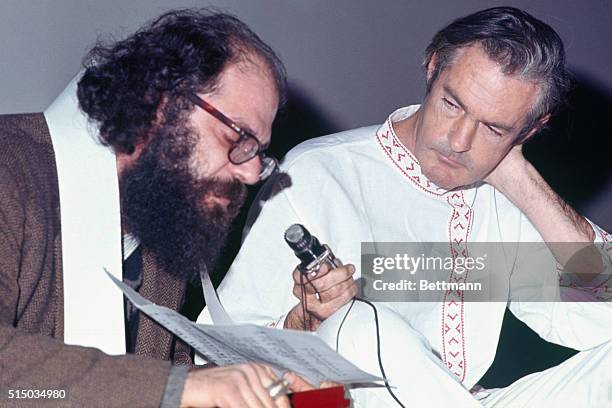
354,61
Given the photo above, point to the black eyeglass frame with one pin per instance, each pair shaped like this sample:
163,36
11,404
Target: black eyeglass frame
237,154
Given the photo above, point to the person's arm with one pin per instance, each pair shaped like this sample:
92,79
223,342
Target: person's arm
86,375
568,235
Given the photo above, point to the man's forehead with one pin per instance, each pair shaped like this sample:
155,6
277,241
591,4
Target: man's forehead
483,87
247,94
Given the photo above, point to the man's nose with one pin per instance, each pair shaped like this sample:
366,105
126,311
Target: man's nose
247,172
461,135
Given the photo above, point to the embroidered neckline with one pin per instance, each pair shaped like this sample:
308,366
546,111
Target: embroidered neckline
452,335
404,160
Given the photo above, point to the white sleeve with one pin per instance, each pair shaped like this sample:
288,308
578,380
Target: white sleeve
557,315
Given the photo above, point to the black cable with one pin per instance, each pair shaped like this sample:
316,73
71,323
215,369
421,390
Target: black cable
304,306
342,323
380,364
318,295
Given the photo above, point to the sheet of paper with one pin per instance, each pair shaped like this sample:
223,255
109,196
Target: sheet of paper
296,351
217,313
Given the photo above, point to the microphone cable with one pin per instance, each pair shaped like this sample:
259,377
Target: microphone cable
367,302
380,364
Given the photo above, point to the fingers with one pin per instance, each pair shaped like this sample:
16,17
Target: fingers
261,378
297,383
239,386
256,394
325,278
329,291
335,288
329,384
346,290
322,271
322,310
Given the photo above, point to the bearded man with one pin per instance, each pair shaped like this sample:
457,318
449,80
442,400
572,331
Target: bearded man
143,180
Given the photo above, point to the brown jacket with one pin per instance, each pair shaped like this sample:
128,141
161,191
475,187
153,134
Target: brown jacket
32,354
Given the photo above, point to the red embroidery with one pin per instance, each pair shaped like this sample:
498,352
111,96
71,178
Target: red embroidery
459,229
453,348
403,159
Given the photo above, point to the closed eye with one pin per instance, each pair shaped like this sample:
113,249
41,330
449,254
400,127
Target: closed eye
494,131
449,104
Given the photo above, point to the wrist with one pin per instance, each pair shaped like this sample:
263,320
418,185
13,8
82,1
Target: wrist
294,319
522,186
175,384
186,400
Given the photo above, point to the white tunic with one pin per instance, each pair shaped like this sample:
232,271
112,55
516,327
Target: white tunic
363,185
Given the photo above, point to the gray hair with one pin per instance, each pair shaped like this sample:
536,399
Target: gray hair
522,45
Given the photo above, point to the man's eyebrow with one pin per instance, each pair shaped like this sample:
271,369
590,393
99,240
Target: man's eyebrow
249,130
497,125
242,125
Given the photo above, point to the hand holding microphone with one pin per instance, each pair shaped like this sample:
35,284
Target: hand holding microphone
321,283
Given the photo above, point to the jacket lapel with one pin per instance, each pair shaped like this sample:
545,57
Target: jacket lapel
165,290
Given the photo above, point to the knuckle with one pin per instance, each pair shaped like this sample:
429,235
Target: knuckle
347,272
313,307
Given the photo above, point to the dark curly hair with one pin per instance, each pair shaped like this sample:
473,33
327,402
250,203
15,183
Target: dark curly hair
182,50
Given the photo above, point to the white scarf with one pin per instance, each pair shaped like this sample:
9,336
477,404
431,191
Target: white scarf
91,228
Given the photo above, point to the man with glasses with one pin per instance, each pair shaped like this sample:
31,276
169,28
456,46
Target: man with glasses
139,167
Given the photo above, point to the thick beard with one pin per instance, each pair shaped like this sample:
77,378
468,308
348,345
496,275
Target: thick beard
164,206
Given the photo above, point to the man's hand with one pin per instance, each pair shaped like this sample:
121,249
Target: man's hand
505,176
241,386
336,287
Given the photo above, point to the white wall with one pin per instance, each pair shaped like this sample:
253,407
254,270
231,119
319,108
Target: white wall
355,60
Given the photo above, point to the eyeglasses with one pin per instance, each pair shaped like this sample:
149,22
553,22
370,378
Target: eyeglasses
243,149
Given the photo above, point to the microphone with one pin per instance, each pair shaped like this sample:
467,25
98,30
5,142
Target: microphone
309,250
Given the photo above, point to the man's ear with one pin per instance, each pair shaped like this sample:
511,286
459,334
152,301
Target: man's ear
157,122
145,137
159,113
535,129
431,65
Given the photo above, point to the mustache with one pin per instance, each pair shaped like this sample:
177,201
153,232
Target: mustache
461,158
233,190
226,188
